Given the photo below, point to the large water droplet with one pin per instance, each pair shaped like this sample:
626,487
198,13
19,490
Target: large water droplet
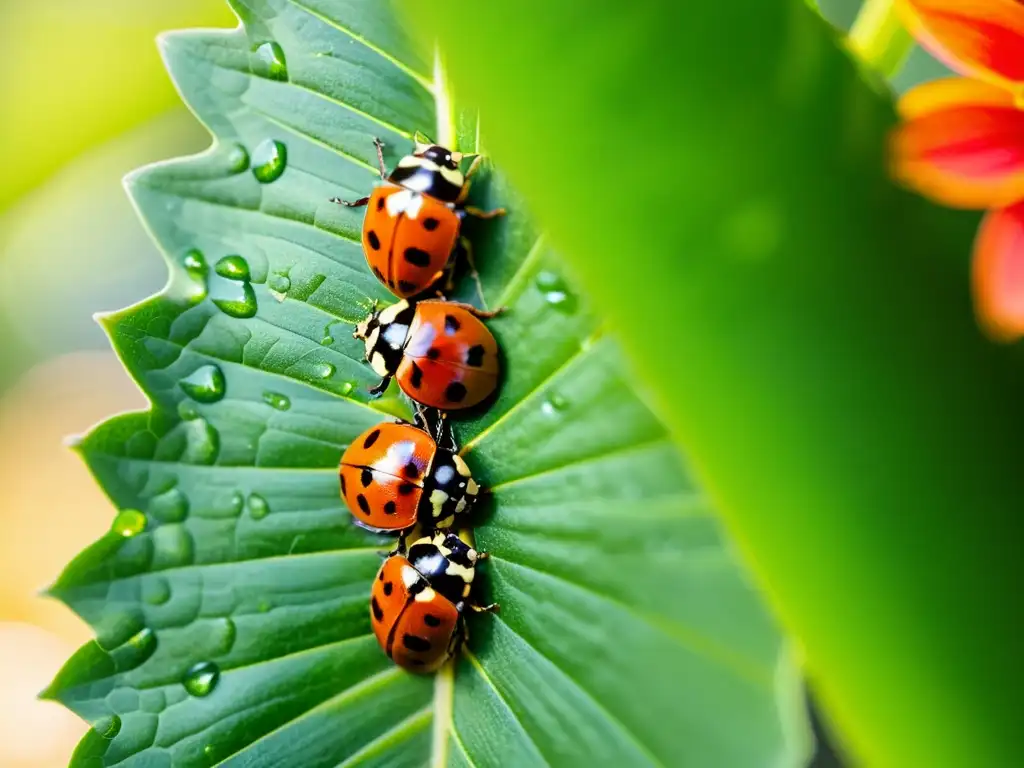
201,678
169,507
233,268
227,632
268,61
237,299
156,590
276,400
202,442
324,370
556,292
195,263
173,546
327,340
278,285
143,643
128,523
258,506
205,384
238,158
108,727
269,160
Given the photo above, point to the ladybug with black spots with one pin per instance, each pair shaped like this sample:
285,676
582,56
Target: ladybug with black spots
440,352
418,600
413,220
395,475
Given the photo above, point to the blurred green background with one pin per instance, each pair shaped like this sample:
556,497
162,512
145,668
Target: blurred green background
86,100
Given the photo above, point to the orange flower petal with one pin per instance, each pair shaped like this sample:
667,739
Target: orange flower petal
967,153
980,38
999,274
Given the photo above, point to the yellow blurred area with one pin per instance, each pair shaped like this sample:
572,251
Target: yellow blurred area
85,99
78,72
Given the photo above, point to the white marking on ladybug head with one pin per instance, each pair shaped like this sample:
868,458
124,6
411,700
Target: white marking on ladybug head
379,364
426,596
388,314
410,576
461,466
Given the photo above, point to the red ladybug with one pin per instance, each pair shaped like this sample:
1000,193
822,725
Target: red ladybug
395,475
413,220
418,599
440,352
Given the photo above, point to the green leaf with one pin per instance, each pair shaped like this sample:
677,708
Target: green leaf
716,174
230,598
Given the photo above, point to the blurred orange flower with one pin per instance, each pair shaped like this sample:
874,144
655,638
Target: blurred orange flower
962,139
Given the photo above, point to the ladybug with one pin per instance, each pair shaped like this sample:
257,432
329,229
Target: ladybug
395,475
441,353
412,223
418,600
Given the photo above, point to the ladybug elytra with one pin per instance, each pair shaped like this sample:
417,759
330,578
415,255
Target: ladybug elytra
395,475
441,353
418,600
413,219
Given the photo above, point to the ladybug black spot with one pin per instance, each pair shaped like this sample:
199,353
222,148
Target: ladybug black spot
455,392
406,488
380,575
433,353
414,643
411,470
431,620
388,588
451,324
475,355
378,613
371,438
366,477
379,274
416,378
405,286
363,504
380,203
430,224
417,257
373,240
390,508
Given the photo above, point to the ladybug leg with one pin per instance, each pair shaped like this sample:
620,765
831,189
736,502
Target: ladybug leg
483,314
400,546
380,156
351,204
479,213
491,608
378,390
474,166
466,249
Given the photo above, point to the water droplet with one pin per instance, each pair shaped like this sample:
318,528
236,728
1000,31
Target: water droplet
173,546
187,411
553,404
195,263
237,502
201,678
278,285
258,506
348,388
169,507
108,727
555,291
156,590
324,370
227,633
233,268
238,158
269,160
275,400
143,642
327,340
202,442
268,61
128,523
241,302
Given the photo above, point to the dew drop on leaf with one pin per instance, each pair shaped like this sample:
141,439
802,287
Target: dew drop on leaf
169,507
233,268
128,523
156,590
205,384
278,285
142,644
108,727
258,507
553,404
348,387
201,678
237,502
277,400
324,370
327,340
556,292
202,443
226,634
173,546
268,61
238,158
236,299
269,160
195,263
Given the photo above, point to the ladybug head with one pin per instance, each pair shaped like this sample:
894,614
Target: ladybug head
438,155
456,550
